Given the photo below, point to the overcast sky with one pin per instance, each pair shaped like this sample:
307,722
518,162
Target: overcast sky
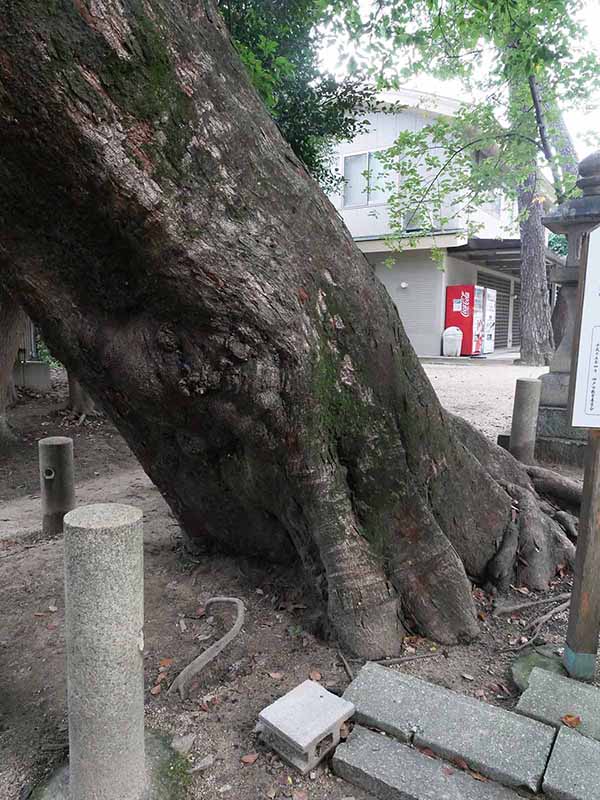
582,123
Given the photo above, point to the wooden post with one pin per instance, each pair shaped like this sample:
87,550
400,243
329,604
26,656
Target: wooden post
584,614
579,218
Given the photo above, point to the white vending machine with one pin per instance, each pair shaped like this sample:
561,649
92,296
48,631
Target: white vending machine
489,321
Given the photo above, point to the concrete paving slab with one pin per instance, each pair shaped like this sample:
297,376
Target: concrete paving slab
499,744
550,697
393,771
574,769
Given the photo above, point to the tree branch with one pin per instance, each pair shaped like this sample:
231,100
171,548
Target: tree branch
545,139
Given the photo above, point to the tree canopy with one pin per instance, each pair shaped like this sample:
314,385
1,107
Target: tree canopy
520,63
279,42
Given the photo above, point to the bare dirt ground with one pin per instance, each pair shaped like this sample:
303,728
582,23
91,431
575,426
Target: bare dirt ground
277,649
480,391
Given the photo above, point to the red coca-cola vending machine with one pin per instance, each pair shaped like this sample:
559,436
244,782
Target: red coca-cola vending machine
465,307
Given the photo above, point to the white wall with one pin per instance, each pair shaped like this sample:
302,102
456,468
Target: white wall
457,272
373,220
421,304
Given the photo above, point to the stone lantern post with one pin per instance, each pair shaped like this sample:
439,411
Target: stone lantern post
556,439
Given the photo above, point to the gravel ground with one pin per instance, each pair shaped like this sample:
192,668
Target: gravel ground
481,392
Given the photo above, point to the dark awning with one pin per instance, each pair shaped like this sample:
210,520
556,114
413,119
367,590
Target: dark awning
503,255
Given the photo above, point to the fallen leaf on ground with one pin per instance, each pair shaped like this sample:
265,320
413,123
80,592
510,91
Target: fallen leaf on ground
52,608
52,626
250,758
277,676
315,675
166,662
571,720
460,763
272,793
156,690
344,730
448,771
468,677
426,751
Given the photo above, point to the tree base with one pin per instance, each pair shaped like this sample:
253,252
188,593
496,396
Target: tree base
167,774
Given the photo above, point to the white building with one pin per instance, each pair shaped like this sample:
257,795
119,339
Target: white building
416,282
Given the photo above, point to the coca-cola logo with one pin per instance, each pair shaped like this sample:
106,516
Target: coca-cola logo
465,301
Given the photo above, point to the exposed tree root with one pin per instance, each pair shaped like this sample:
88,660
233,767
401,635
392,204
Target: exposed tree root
569,523
553,485
511,609
534,543
182,681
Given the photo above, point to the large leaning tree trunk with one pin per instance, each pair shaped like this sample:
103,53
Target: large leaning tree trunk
184,266
537,344
12,320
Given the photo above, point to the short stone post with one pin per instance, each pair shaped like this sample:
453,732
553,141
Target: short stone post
104,588
524,419
56,481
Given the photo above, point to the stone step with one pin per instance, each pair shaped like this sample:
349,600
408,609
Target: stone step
507,747
574,769
393,771
550,697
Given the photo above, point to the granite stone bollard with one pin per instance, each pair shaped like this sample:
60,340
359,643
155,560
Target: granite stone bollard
524,419
104,587
56,482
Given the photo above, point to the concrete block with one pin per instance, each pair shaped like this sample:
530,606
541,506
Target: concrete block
503,440
550,697
394,771
491,740
574,769
304,725
560,451
556,423
34,375
555,389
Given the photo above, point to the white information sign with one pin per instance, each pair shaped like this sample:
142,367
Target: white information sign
586,399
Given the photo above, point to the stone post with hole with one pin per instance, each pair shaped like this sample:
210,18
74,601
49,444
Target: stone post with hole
57,482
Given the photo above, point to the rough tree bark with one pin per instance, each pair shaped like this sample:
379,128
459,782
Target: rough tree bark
188,271
537,345
12,319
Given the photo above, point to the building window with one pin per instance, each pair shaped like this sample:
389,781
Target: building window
365,180
493,206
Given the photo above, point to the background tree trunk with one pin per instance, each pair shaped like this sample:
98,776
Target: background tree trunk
184,266
80,402
537,344
12,320
563,144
